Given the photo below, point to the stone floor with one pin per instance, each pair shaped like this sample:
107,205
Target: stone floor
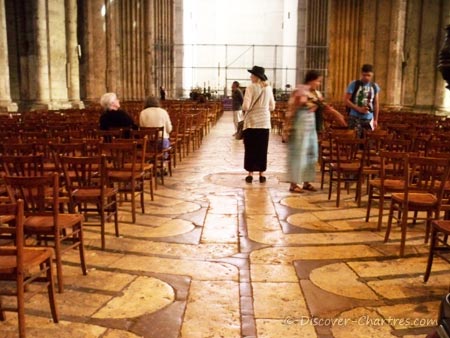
216,257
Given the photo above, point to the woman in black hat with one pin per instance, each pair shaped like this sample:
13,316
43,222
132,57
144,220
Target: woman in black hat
258,102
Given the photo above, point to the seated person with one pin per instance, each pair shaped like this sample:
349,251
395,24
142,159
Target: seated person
114,117
154,116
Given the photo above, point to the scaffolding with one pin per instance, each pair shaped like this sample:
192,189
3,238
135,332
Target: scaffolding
211,68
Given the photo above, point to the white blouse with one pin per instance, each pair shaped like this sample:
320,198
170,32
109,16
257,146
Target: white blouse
156,117
259,114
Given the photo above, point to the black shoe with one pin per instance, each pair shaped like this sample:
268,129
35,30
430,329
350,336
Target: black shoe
262,179
249,179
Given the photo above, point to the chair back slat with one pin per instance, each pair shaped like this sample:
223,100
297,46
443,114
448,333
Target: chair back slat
40,194
23,165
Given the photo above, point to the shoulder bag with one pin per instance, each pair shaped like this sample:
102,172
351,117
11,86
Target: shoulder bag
240,127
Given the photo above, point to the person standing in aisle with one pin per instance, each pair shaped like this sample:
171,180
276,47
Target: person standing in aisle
257,105
237,100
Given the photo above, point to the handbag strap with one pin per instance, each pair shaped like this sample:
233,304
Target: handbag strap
253,105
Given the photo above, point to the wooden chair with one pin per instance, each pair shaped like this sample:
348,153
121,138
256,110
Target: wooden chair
44,220
439,245
91,145
345,165
424,186
325,148
89,189
66,149
123,171
159,155
175,141
185,132
15,149
390,180
23,165
107,135
23,265
155,154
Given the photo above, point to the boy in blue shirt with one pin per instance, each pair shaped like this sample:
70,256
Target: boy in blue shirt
361,97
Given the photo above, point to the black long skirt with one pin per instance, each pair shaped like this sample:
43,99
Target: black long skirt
256,143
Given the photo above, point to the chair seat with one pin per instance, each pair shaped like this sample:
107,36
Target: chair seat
346,166
6,218
31,257
124,175
92,193
388,184
442,226
417,199
34,223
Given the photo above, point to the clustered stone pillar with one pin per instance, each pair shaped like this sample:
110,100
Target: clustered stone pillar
94,51
344,50
400,38
163,41
131,37
5,94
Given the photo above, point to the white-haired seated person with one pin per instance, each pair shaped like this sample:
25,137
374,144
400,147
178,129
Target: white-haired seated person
114,117
154,116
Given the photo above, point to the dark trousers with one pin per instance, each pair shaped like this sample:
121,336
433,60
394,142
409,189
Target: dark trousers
359,124
256,143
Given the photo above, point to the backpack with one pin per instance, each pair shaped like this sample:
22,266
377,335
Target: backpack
359,83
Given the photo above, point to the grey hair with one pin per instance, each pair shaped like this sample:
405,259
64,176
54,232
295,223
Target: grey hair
107,99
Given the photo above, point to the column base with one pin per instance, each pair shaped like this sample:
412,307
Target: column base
52,105
8,106
77,104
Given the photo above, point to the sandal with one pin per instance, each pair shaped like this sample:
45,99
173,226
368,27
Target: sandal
297,189
309,187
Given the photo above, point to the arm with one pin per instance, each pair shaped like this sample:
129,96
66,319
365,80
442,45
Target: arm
271,101
376,110
141,119
168,123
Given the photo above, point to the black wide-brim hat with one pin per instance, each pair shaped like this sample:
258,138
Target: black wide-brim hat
259,72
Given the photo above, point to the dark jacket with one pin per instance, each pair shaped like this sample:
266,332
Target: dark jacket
112,119
237,99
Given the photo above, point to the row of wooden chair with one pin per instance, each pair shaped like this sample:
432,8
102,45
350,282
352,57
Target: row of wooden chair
56,183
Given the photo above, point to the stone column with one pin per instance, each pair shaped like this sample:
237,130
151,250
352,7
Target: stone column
442,99
344,46
95,50
428,51
73,80
149,33
41,64
5,94
393,90
411,53
178,49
